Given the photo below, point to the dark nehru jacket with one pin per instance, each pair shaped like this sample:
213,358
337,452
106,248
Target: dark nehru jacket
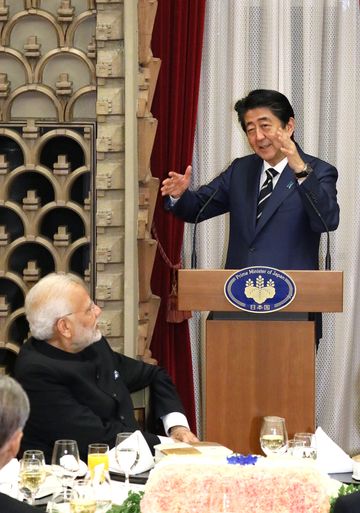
10,505
86,396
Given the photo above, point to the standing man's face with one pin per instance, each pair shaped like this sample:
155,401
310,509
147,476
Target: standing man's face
262,130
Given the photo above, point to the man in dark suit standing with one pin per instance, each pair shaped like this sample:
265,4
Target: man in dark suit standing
14,411
278,228
78,387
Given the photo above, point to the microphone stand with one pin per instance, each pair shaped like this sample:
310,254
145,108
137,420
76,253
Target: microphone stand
316,210
193,251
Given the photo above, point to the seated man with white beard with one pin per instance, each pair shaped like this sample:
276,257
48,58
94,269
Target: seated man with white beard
79,388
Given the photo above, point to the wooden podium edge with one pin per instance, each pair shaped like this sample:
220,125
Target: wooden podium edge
316,291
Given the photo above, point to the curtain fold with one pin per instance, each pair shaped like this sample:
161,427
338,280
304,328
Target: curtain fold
177,41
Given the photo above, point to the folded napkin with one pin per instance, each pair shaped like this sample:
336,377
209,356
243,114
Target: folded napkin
145,461
330,457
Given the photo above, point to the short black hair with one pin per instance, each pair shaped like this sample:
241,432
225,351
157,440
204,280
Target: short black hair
273,100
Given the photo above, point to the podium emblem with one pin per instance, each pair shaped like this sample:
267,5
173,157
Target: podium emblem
260,289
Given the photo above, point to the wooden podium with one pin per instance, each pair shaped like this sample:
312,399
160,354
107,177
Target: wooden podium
258,364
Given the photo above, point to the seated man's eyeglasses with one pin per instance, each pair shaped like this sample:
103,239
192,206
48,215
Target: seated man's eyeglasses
89,309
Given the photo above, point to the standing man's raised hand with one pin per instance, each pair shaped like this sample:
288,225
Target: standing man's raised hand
176,184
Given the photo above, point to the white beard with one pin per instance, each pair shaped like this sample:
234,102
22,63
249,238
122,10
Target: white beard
84,337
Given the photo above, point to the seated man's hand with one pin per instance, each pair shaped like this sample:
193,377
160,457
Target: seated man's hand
182,434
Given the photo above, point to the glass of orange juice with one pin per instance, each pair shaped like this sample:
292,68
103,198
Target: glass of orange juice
98,454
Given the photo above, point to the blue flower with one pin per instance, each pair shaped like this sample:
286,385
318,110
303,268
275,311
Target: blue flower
240,459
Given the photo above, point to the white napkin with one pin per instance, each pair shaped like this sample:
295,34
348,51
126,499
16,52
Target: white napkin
9,478
69,462
145,461
330,457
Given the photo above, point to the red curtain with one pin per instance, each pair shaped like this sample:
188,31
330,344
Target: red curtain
177,41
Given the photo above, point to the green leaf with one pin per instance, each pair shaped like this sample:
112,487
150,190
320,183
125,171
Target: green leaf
343,490
130,505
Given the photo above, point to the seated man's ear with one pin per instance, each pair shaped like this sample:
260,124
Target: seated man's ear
15,442
63,327
11,448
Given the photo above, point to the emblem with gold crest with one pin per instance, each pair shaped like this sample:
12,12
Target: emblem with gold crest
260,289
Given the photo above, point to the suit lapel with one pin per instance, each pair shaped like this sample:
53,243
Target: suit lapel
251,196
283,188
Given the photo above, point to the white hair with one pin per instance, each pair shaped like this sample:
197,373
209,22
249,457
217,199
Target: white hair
48,301
14,408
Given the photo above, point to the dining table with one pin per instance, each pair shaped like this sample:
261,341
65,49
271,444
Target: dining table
138,481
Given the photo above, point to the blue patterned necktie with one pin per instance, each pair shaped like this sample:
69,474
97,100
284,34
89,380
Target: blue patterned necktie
265,191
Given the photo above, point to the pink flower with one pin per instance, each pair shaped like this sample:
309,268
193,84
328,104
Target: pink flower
207,488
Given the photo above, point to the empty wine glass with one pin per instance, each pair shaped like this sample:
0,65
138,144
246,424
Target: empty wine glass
65,461
32,475
273,435
126,453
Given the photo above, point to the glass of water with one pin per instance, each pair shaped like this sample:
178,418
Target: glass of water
309,441
126,453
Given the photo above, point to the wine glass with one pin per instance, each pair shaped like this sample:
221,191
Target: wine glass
34,454
82,498
65,461
32,475
126,453
273,435
309,442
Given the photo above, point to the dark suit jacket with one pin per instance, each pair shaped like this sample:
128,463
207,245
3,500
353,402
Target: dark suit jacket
288,233
86,396
10,505
348,503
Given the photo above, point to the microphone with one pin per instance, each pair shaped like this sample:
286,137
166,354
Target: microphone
193,251
316,210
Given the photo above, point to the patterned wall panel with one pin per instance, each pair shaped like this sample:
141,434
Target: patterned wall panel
62,158
46,188
47,152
